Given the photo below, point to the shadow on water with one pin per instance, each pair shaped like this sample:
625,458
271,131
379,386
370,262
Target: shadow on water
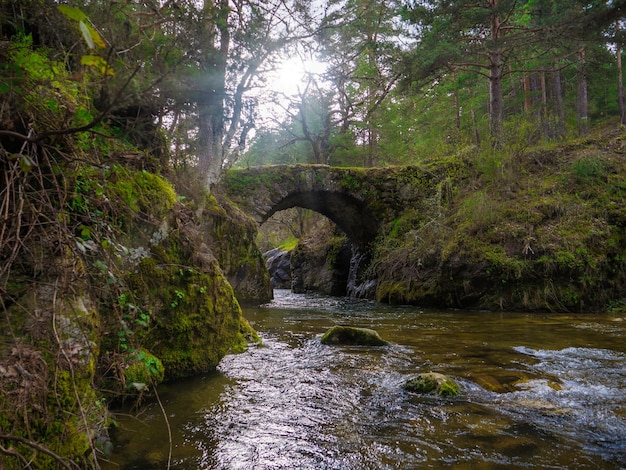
539,391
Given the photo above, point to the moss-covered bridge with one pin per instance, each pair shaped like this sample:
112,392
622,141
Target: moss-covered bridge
359,200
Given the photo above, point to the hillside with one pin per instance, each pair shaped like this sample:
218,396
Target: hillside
525,227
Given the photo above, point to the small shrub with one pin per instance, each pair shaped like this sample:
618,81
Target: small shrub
588,168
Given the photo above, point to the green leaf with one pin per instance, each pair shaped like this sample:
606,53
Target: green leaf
86,35
26,163
97,62
72,13
52,106
95,35
83,116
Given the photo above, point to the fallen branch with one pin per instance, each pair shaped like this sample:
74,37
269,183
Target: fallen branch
64,462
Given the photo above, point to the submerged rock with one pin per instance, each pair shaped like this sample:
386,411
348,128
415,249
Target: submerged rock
352,336
433,383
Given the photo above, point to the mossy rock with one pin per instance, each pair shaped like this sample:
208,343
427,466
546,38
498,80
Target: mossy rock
142,369
433,383
352,336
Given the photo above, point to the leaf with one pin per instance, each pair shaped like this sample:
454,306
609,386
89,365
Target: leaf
72,13
26,163
52,106
81,246
86,35
97,62
82,115
139,386
95,35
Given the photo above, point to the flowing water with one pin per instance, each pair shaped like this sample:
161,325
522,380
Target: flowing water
538,391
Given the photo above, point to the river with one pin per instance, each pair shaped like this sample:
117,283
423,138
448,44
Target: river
538,391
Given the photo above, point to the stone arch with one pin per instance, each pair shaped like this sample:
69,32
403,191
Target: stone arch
350,214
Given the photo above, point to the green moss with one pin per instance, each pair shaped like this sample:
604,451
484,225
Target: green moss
433,383
289,244
196,318
143,368
59,424
349,335
142,191
44,85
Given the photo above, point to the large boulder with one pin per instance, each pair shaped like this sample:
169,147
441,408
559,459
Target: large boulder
352,336
321,263
230,235
432,383
278,263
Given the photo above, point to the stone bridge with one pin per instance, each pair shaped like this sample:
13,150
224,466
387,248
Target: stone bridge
359,200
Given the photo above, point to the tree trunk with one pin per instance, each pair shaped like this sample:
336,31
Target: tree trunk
496,99
528,104
557,92
513,90
544,93
211,91
474,125
372,145
457,110
582,98
620,79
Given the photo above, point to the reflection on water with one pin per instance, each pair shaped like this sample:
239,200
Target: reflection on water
539,391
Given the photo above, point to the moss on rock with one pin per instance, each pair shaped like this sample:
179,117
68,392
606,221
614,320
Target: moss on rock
352,336
142,369
196,319
433,383
46,377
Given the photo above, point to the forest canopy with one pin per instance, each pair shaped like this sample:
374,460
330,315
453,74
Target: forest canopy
401,78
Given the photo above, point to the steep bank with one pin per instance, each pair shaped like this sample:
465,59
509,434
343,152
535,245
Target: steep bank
109,282
526,228
119,291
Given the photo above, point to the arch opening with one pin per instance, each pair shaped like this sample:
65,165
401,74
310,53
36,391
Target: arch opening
347,212
305,251
353,218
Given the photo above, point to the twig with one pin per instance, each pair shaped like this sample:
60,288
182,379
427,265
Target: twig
167,423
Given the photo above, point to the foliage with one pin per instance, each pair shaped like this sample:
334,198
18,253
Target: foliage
444,101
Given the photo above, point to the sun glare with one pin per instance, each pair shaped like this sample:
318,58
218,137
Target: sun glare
291,75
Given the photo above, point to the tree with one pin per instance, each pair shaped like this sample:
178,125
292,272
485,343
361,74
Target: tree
236,43
359,38
202,66
494,38
620,78
476,36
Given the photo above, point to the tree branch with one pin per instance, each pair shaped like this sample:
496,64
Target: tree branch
37,138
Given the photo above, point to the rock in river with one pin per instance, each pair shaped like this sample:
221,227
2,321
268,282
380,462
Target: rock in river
432,383
352,336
